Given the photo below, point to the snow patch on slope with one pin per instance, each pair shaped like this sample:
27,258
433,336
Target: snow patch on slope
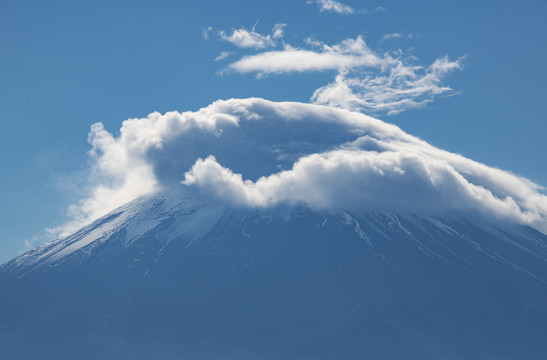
184,217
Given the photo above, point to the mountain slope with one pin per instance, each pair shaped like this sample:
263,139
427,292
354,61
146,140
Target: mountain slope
169,277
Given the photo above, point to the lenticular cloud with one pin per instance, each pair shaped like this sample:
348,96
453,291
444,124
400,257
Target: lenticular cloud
257,153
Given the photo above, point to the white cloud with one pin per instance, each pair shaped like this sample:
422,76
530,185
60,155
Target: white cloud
117,176
244,38
376,9
206,32
394,181
349,53
397,88
333,6
366,80
223,55
339,8
390,36
313,42
257,153
278,31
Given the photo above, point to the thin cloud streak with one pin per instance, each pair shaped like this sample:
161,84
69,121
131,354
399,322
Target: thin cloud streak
349,53
223,55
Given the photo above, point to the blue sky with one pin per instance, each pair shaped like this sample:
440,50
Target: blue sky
66,65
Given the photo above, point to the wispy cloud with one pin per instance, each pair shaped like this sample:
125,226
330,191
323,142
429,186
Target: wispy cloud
205,33
333,6
395,88
339,8
278,31
390,36
244,38
367,80
223,55
376,9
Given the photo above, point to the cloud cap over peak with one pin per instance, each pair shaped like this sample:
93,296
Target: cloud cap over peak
258,153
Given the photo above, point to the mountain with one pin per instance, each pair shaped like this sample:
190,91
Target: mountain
170,276
283,230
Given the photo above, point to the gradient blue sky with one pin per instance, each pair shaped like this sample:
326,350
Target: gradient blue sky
65,65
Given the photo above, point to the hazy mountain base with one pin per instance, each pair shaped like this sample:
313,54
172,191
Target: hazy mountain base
310,286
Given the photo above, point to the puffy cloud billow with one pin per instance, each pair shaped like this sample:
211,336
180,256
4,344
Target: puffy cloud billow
261,154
